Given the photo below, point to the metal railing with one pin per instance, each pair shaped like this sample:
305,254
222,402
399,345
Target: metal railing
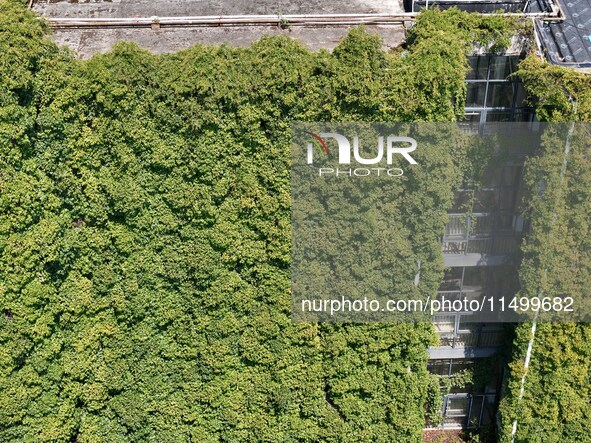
469,339
261,20
482,233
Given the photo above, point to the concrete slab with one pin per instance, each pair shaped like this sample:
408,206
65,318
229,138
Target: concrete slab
87,42
443,353
173,8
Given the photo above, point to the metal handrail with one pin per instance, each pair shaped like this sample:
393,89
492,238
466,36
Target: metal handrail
257,20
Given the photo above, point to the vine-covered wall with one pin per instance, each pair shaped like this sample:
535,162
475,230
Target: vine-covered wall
144,238
556,405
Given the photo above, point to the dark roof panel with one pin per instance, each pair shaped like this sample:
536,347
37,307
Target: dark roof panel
568,42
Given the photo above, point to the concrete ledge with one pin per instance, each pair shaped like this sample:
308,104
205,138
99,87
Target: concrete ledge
460,353
87,42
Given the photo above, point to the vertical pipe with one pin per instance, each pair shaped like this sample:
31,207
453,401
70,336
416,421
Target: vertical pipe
535,322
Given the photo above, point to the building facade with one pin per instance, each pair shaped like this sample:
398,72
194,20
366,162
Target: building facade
481,245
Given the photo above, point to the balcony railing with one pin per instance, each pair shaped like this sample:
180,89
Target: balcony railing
467,339
496,234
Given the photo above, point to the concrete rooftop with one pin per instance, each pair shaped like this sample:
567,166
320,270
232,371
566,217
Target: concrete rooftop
170,8
87,41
